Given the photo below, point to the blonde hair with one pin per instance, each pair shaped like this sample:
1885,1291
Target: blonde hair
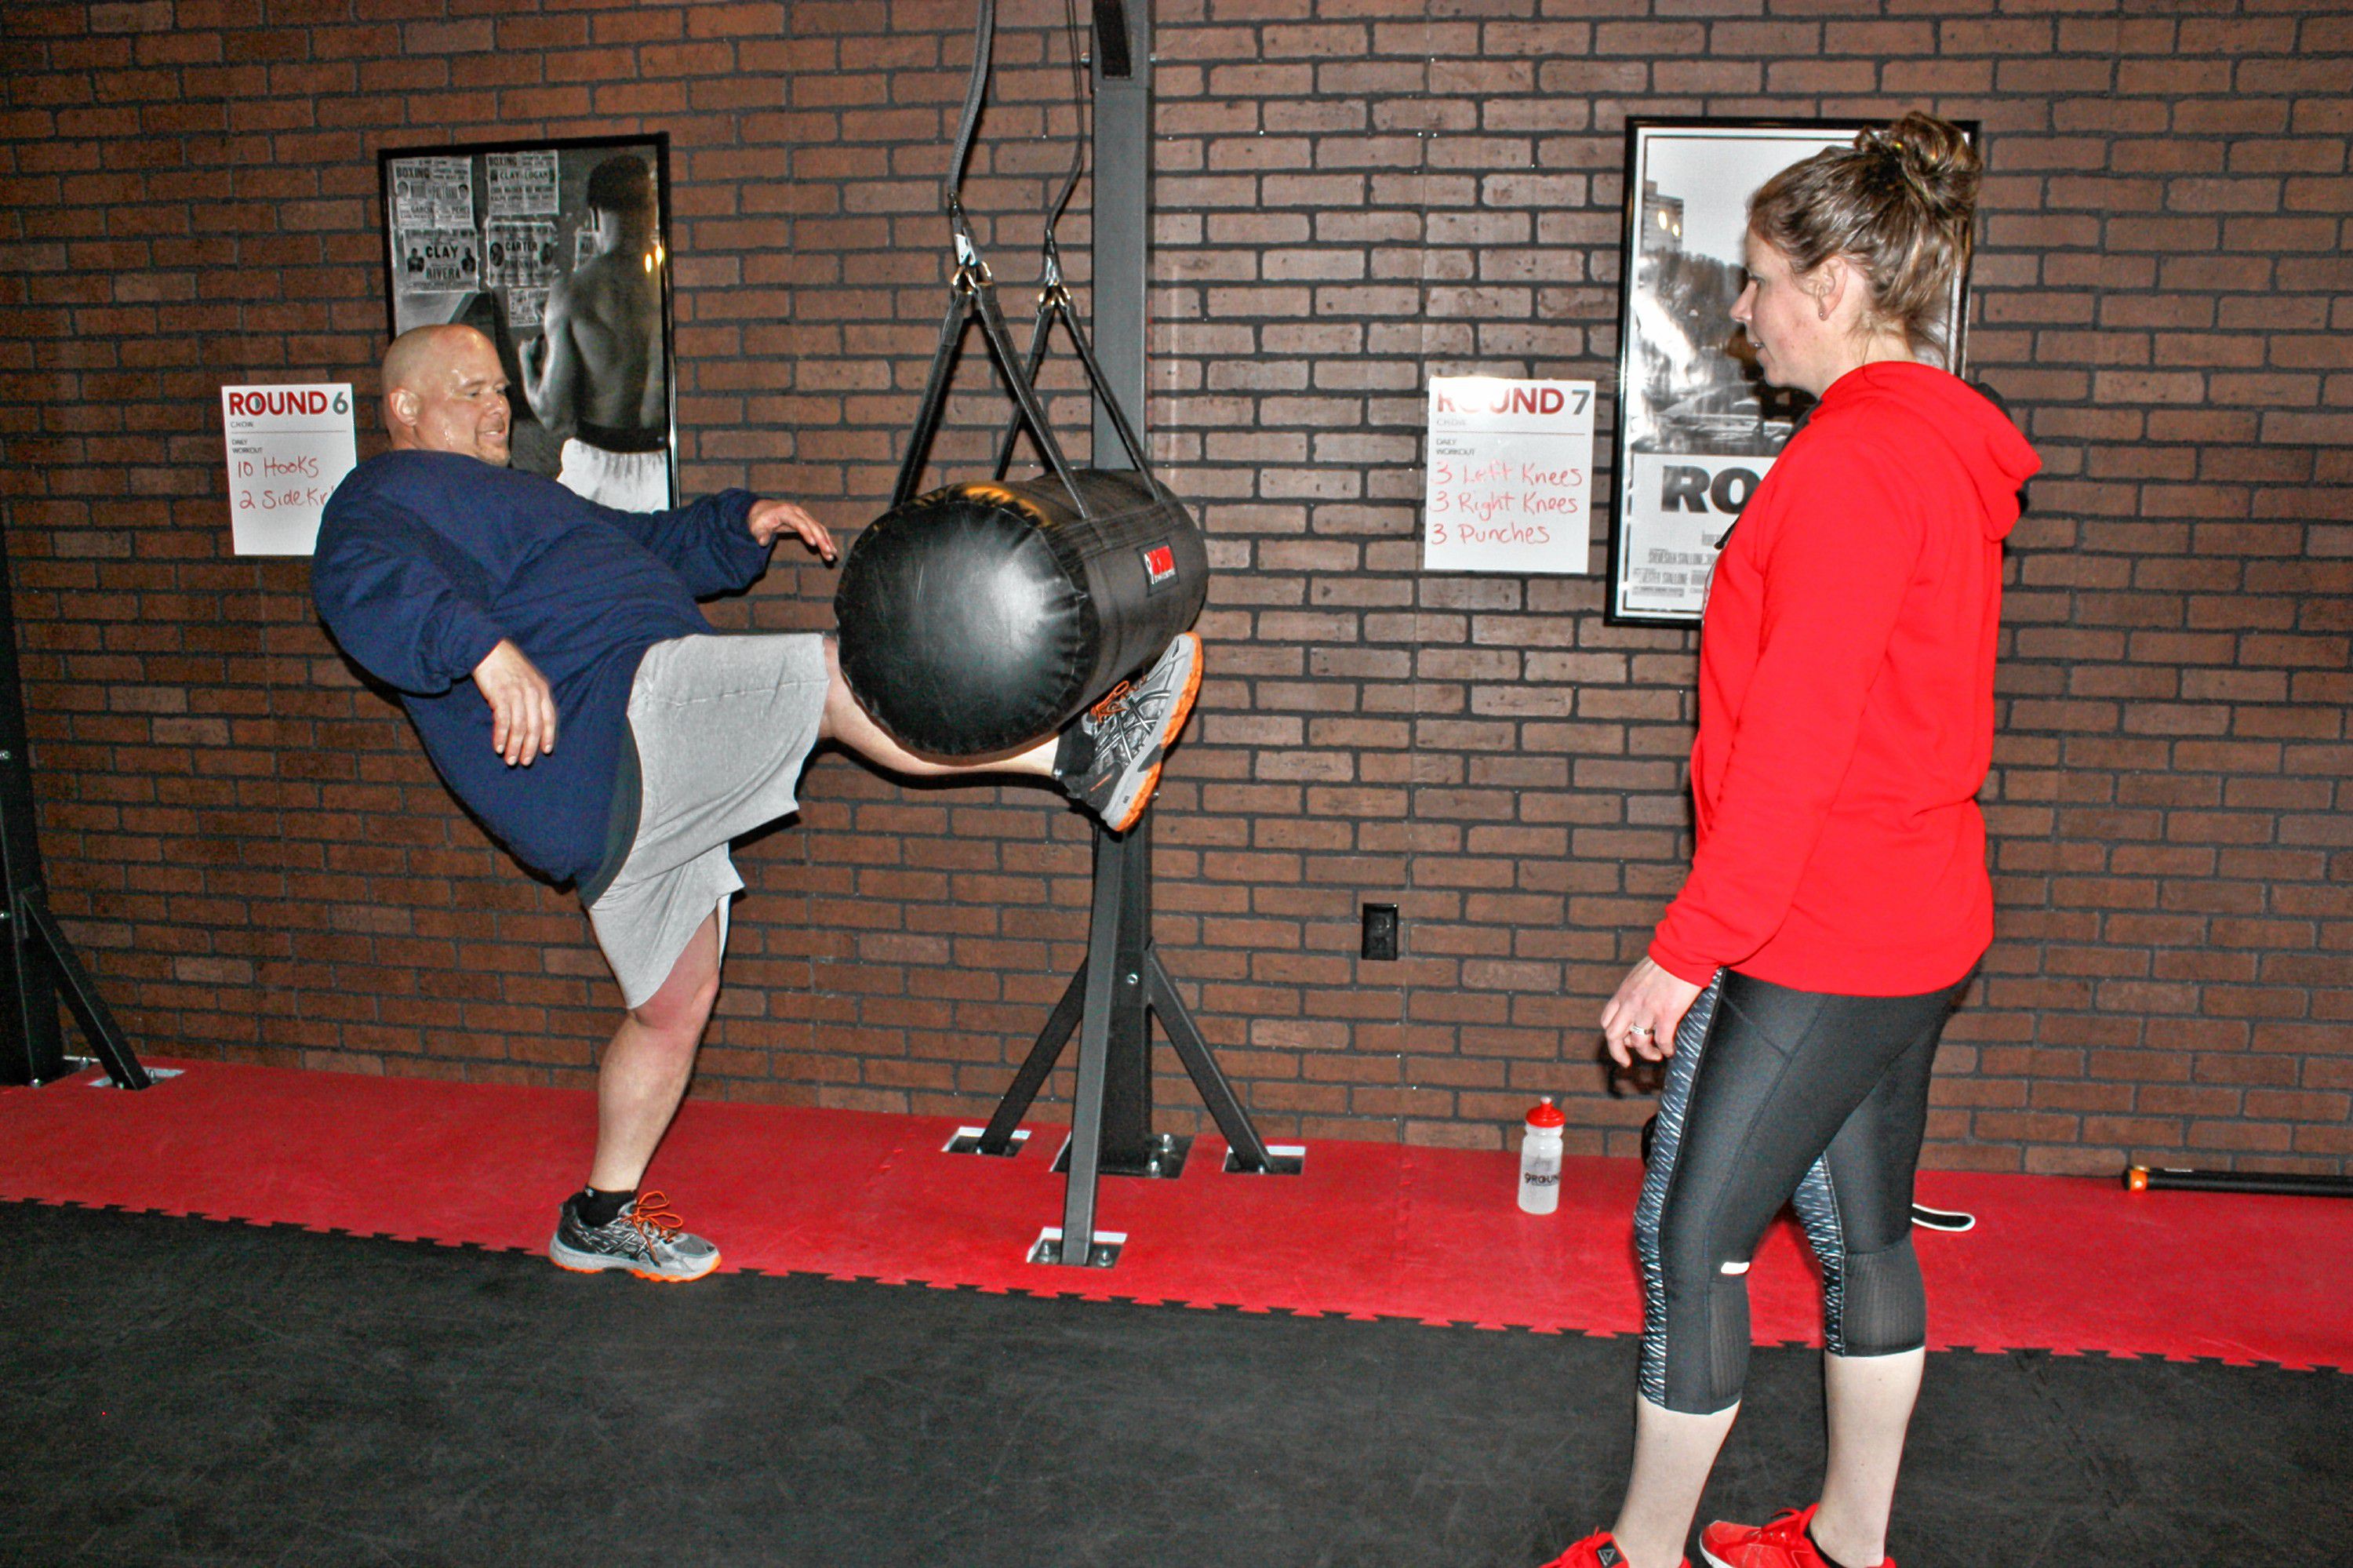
1901,203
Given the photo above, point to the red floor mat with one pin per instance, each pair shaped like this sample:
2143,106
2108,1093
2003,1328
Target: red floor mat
1367,1229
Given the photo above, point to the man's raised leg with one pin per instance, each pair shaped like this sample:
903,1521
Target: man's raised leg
850,726
1108,759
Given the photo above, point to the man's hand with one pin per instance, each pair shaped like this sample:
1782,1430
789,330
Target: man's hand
1641,1018
523,706
769,518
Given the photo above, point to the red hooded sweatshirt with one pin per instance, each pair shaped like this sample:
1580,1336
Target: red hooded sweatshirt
1846,698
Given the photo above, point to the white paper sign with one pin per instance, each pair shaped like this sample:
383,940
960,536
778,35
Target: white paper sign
289,446
440,260
432,193
518,252
522,185
1511,476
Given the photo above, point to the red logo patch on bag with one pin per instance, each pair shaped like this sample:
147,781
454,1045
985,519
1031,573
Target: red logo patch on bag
1159,568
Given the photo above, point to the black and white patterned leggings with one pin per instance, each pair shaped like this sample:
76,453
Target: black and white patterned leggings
1777,1096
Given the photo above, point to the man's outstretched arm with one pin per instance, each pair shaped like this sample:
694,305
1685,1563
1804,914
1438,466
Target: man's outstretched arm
719,543
769,518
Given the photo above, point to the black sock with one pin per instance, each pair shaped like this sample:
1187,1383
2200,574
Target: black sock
596,1208
1075,752
1825,1556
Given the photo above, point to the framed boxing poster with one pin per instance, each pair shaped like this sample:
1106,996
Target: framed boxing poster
1698,428
558,251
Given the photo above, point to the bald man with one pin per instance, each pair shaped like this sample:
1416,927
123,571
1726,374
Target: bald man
550,652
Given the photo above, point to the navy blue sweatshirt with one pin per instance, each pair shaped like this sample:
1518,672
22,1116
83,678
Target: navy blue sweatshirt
425,560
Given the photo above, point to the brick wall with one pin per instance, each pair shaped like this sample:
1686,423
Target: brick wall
1351,195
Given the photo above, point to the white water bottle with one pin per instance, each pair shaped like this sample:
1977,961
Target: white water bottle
1540,1159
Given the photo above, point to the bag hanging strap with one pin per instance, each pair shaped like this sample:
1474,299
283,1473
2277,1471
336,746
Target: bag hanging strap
1054,305
975,92
1054,302
973,296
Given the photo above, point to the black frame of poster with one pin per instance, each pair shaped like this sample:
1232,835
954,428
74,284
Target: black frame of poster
490,305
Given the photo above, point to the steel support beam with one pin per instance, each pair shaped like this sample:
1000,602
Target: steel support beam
1121,212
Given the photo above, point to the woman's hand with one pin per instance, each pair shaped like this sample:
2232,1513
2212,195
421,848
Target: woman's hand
1641,1018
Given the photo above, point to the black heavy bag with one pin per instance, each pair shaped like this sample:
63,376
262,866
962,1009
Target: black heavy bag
985,616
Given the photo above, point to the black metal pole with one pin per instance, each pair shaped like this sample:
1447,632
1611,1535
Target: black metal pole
1121,213
33,1050
2283,1183
1127,1143
1087,1095
1121,216
34,953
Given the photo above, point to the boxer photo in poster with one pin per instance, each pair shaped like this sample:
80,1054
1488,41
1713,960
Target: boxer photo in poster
559,252
1698,426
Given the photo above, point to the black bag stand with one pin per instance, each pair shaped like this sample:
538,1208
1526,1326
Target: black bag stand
1123,985
1110,1001
36,959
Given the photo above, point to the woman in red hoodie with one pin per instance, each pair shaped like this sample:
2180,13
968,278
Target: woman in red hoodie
1837,899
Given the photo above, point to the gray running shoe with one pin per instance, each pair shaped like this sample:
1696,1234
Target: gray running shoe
1132,729
645,1238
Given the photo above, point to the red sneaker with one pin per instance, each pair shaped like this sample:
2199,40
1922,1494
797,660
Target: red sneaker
1781,1544
1596,1551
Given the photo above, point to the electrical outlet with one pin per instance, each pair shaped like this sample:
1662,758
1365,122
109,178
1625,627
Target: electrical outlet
1380,943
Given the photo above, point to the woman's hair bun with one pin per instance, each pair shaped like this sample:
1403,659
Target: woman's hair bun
1930,155
1900,200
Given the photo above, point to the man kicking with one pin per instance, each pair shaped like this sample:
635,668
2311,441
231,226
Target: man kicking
503,607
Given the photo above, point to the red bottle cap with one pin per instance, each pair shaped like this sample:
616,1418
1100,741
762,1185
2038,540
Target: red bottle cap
1546,1113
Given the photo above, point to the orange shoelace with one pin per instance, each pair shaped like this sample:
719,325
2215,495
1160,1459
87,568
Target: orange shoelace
652,1216
1110,700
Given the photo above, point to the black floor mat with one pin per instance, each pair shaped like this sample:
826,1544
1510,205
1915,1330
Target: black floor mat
183,1391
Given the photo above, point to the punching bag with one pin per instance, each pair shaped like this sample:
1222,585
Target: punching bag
985,616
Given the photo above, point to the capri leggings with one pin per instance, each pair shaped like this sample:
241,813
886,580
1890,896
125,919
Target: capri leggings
1777,1096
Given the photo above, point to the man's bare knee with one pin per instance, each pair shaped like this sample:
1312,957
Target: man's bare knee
684,1000
681,1011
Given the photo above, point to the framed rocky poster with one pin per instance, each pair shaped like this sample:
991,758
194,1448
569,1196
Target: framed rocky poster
558,251
1698,428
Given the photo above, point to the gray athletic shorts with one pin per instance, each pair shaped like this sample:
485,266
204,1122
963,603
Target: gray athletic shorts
722,725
